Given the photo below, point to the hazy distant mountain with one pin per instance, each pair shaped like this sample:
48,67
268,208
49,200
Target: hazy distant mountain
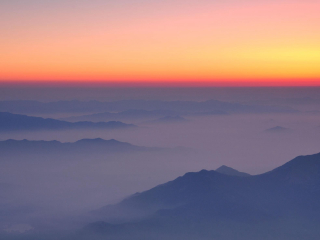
170,119
211,113
294,101
17,122
280,204
232,172
208,107
90,146
133,114
138,114
277,129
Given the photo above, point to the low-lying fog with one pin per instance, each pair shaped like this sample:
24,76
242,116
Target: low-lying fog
35,185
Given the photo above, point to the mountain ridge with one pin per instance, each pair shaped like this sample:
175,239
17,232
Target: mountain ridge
124,105
83,145
19,122
290,191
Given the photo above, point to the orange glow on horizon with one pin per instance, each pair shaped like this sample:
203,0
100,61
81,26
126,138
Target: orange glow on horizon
241,44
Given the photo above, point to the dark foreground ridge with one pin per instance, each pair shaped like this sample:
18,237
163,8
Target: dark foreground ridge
283,204
17,122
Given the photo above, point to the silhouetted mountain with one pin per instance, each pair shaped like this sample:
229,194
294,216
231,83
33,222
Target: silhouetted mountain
210,106
90,146
280,204
277,129
17,122
232,172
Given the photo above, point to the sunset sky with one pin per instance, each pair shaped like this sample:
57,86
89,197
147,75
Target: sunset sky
235,42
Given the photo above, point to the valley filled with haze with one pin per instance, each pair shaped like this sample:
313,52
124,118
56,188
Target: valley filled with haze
159,120
66,166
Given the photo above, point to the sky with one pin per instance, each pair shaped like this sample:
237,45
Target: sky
218,43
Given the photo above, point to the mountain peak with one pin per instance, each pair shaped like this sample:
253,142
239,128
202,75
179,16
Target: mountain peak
231,172
93,140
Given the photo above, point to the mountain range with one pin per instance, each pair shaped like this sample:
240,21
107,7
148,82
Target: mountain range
169,119
178,107
283,204
132,114
90,146
18,122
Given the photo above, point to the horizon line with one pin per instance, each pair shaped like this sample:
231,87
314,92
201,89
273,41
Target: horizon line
164,83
